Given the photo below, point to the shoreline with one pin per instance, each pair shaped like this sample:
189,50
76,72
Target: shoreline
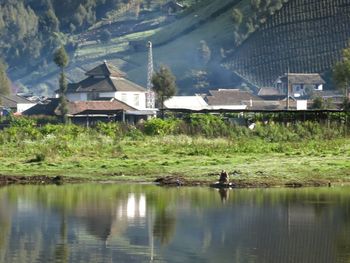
165,181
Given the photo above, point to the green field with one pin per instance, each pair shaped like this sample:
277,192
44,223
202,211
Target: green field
106,154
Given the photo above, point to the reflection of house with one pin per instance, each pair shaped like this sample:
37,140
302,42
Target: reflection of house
15,103
89,112
299,83
105,81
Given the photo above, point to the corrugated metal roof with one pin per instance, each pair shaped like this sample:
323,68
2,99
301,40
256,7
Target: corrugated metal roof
186,102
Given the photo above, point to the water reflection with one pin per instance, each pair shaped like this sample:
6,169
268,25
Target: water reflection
109,223
224,193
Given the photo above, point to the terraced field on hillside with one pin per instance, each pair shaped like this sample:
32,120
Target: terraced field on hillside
304,36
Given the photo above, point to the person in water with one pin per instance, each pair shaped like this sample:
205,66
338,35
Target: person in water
224,177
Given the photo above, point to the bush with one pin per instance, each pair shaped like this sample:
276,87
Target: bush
160,127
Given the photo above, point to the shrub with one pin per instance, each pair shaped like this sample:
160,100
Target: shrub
109,129
160,127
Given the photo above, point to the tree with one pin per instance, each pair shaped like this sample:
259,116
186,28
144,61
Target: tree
61,59
318,103
204,52
341,75
164,85
4,81
237,17
106,36
255,4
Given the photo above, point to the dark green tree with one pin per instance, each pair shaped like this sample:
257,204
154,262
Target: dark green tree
164,85
255,4
106,36
61,59
204,52
341,75
4,81
318,103
237,17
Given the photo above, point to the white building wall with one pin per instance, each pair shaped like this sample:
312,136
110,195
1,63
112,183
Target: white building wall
107,94
301,104
24,106
130,98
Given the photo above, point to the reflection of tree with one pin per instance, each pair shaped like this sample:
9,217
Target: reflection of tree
164,226
62,249
343,238
223,194
5,222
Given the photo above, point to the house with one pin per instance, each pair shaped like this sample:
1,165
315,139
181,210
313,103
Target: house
186,102
90,112
299,83
15,103
105,81
233,99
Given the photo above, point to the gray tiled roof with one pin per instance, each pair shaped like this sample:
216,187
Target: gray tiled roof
12,100
104,78
78,107
303,78
105,69
107,84
268,92
230,97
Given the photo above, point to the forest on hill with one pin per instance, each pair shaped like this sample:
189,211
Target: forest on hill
208,44
31,29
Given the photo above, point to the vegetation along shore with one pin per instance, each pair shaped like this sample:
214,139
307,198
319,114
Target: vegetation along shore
193,150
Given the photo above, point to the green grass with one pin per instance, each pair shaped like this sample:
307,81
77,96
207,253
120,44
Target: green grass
197,159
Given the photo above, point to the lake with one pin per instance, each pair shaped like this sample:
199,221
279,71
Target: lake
147,223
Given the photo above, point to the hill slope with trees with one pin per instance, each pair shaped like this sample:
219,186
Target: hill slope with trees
208,44
304,36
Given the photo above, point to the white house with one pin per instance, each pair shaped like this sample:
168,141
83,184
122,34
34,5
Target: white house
15,102
105,81
299,83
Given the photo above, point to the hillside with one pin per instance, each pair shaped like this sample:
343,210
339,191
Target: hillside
209,44
176,39
304,36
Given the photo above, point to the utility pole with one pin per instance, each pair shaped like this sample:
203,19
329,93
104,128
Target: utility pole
288,89
150,96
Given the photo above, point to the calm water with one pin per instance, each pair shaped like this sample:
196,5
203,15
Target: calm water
144,223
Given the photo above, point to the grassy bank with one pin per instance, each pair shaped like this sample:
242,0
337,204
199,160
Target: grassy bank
269,155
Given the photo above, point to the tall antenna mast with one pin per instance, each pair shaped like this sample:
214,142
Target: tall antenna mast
150,98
